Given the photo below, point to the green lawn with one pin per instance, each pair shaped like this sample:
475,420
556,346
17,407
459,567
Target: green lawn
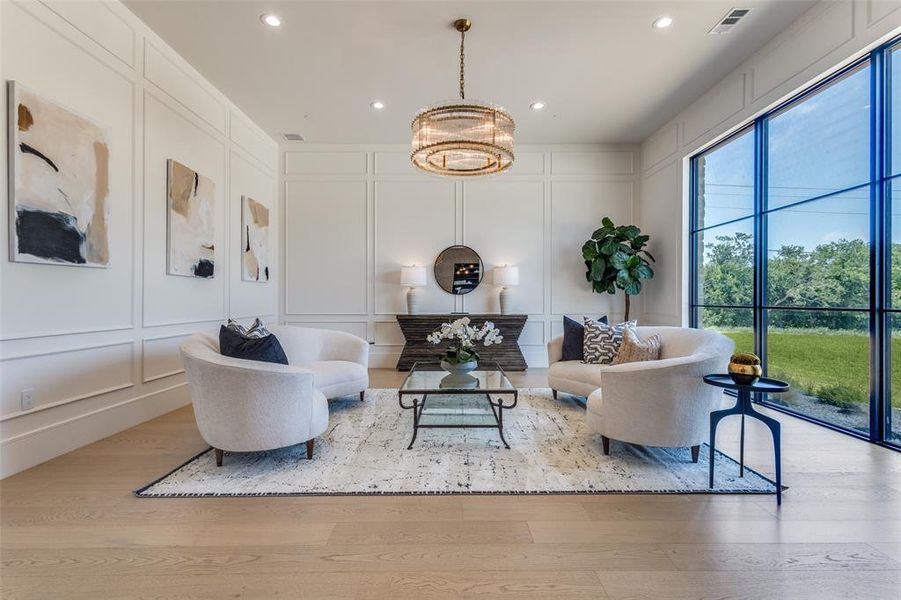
834,362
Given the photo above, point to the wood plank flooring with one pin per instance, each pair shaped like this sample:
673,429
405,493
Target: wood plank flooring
70,528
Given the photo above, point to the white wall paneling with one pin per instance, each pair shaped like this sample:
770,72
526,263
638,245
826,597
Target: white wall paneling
161,358
429,205
325,163
824,39
660,191
592,163
504,221
169,134
410,217
253,141
32,303
659,147
251,298
183,85
357,328
821,30
99,346
76,374
106,27
713,109
577,208
325,241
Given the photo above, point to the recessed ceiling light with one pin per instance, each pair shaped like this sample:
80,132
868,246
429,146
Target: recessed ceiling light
537,105
663,22
377,104
271,20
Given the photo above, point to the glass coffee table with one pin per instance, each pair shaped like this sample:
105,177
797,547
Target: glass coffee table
441,400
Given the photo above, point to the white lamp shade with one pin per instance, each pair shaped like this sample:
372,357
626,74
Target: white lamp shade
506,276
413,276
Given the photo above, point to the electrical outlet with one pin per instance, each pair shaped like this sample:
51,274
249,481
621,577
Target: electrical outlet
28,399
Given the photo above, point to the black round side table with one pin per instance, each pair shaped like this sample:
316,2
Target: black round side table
744,407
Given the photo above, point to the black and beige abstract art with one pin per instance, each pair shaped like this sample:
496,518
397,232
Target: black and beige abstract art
59,178
191,222
255,240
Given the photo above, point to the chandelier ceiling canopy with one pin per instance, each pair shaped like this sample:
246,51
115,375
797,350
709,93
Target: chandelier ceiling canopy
463,138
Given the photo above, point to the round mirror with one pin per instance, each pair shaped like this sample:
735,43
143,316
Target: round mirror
458,270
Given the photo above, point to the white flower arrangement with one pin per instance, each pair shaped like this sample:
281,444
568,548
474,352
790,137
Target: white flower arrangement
464,337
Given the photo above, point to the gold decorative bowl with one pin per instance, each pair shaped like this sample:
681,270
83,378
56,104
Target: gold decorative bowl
743,373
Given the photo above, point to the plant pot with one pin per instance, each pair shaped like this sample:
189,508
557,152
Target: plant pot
459,368
744,374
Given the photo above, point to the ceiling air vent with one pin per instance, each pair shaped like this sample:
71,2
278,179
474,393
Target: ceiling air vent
293,137
729,21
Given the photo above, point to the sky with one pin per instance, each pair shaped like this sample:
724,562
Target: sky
817,146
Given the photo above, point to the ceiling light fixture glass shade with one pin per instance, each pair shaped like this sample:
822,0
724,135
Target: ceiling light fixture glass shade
463,137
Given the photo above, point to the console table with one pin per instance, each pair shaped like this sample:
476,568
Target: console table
416,349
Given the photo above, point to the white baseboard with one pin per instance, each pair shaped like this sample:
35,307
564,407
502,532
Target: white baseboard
40,445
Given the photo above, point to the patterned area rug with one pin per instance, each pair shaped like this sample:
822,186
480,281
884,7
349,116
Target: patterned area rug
364,451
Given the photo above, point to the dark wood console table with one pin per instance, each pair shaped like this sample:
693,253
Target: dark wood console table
416,327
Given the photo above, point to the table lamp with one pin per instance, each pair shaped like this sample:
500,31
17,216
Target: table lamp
413,277
506,277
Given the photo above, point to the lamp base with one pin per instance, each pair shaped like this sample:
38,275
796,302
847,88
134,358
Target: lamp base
505,301
414,301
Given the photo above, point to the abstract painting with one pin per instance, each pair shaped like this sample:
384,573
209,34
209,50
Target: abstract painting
255,240
59,171
192,222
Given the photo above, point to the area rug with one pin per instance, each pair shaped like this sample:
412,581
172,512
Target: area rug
364,452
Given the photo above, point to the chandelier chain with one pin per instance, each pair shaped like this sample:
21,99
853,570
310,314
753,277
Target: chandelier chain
462,80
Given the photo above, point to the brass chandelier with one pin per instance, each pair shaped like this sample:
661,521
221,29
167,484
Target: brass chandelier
464,138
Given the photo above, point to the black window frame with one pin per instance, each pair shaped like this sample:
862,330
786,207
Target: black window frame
879,311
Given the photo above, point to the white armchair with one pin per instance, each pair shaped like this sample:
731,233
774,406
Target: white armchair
248,406
655,403
339,360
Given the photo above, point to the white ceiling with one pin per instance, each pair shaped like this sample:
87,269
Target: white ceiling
605,74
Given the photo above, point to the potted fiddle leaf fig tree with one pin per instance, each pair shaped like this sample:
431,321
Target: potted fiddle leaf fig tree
615,258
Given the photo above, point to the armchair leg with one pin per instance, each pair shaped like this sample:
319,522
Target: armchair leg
362,395
554,392
605,441
218,454
695,451
310,449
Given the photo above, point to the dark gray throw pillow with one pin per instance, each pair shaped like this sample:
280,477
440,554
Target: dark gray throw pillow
264,349
574,338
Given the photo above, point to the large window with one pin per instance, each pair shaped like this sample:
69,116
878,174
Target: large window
796,247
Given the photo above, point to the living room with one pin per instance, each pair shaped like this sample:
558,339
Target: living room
286,312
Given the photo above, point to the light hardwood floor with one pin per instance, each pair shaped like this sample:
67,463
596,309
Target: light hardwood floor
71,529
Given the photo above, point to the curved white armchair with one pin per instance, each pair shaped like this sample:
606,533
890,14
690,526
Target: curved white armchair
654,403
339,360
246,406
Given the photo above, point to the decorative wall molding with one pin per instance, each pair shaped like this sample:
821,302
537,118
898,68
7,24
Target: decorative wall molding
104,27
160,70
797,48
411,217
69,399
132,71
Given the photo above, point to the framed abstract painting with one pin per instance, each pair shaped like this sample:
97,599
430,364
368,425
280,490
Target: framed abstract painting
59,205
254,240
191,222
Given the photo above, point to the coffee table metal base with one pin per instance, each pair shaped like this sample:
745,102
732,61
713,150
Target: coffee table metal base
420,404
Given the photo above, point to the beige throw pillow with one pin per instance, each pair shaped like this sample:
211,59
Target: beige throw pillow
634,349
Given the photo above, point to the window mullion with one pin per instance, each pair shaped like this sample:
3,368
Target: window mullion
760,239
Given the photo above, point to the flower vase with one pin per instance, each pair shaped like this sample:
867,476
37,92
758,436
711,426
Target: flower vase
459,368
